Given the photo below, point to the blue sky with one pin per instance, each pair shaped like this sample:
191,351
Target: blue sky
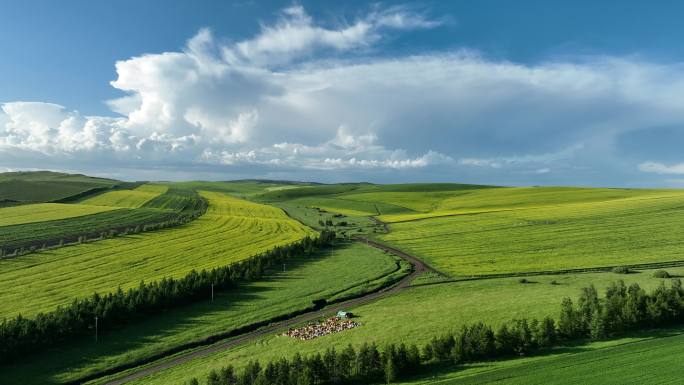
525,92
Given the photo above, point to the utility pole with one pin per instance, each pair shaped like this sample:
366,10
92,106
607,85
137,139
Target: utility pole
95,329
283,267
212,292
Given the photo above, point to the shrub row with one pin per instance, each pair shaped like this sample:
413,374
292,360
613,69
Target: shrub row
622,309
29,237
20,336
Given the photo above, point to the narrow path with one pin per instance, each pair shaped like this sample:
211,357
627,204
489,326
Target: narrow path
418,268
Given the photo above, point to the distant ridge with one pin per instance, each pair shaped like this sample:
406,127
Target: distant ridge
48,186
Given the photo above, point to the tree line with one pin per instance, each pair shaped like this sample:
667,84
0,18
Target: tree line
188,206
623,308
20,336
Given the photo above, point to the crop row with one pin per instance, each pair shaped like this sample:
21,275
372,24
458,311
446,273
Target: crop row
41,212
23,238
127,198
230,231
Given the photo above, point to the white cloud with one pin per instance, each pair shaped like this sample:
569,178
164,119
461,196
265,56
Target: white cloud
295,34
277,101
344,151
403,17
660,168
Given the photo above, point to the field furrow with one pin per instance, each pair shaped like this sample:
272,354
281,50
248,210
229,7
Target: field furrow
127,198
230,231
42,212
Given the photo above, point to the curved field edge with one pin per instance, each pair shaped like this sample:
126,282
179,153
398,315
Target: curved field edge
134,198
46,186
43,212
172,208
230,231
352,270
417,314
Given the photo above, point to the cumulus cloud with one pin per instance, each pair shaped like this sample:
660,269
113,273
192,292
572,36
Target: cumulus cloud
344,151
278,102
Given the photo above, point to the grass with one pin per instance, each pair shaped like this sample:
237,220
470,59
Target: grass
230,231
45,186
160,208
311,217
240,188
38,233
353,267
466,230
651,357
41,212
350,207
639,229
127,198
363,199
417,314
430,204
176,199
463,230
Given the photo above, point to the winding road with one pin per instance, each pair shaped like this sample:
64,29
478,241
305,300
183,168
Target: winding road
419,267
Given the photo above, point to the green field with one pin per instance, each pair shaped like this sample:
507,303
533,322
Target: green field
351,269
355,225
363,199
230,231
46,186
43,227
240,188
476,201
176,199
417,314
634,230
462,230
41,212
466,230
35,233
653,357
127,198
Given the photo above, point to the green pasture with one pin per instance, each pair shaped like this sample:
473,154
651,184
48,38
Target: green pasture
230,231
240,188
42,224
176,199
462,230
417,314
650,357
351,269
341,189
127,198
41,212
343,225
364,199
501,199
633,230
46,186
34,233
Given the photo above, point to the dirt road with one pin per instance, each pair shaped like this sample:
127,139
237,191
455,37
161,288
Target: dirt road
418,268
